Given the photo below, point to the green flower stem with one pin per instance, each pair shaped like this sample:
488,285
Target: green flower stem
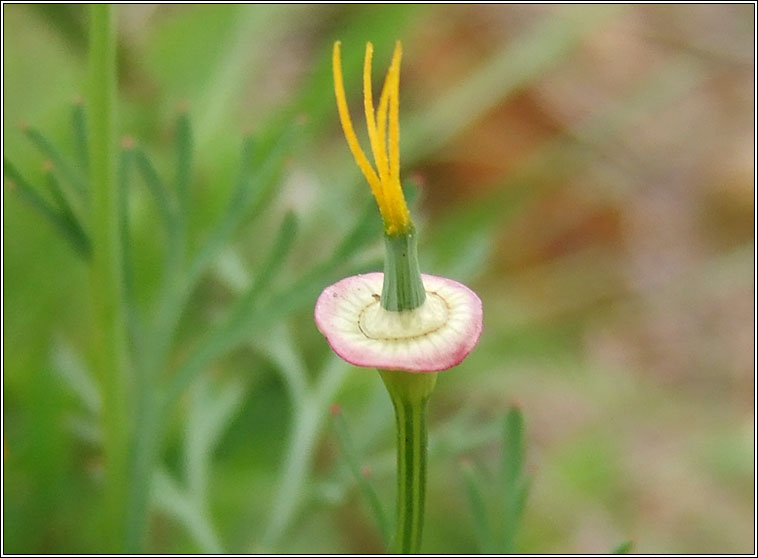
109,335
409,392
402,289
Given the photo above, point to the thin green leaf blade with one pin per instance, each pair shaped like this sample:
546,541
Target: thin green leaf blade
513,459
184,143
476,500
512,483
29,195
279,250
46,147
134,321
157,189
66,212
81,141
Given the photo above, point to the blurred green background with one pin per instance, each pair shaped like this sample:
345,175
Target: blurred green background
587,170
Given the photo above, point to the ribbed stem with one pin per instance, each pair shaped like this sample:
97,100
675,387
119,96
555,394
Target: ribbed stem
109,334
402,289
409,393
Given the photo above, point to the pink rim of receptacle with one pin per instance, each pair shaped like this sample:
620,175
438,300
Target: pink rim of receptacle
436,336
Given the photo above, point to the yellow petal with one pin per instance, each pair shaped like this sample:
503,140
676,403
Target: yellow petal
384,136
379,150
347,127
